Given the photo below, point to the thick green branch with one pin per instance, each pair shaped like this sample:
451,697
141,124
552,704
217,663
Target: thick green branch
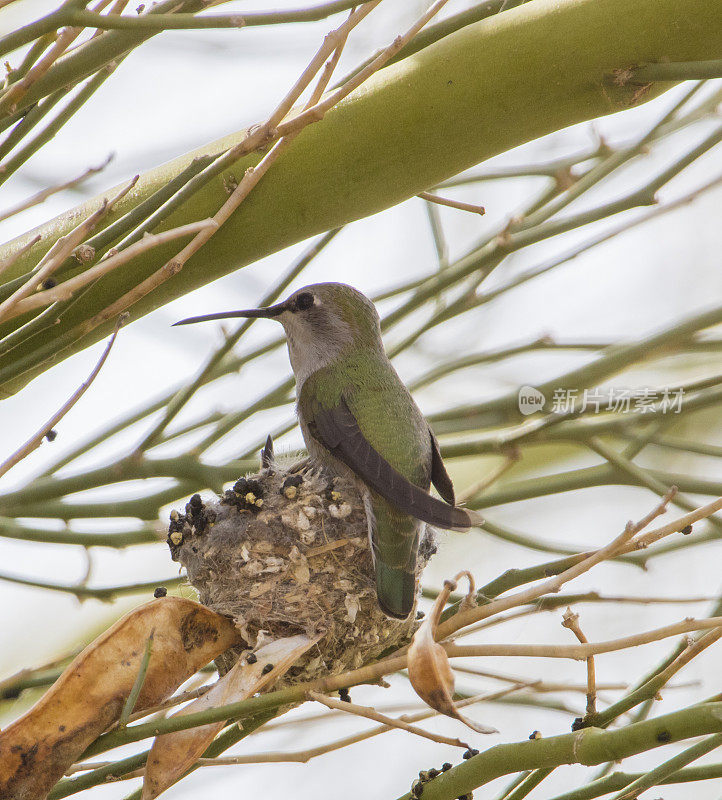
588,746
416,123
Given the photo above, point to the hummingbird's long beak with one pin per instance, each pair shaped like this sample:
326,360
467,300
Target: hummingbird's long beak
268,312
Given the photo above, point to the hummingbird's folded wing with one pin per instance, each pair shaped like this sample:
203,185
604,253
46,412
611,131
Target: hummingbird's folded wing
439,476
338,431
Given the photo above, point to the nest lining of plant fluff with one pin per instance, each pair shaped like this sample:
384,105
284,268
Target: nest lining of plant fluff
286,551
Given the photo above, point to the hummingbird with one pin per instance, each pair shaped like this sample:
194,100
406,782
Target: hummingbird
359,421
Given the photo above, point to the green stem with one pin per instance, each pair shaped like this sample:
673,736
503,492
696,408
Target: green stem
618,780
669,767
105,593
11,529
588,746
677,71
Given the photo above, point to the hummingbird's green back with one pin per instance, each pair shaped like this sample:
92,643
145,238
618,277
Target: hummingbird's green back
390,421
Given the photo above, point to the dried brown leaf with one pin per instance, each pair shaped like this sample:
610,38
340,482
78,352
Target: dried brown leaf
88,697
428,665
174,753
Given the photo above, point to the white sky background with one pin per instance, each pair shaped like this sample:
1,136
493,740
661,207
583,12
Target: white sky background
183,89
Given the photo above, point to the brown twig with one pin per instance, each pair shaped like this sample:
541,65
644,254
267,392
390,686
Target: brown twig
582,651
35,441
252,176
677,525
67,289
59,252
317,111
571,621
371,713
445,201
553,584
64,39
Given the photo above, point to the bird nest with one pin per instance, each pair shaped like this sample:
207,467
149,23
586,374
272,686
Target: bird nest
286,551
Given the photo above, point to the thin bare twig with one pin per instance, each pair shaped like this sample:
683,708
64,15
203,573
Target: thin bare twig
446,201
571,621
371,713
35,441
582,651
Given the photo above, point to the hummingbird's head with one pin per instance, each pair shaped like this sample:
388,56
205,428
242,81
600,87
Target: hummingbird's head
321,321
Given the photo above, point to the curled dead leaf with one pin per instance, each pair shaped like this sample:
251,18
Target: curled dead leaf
174,753
428,665
89,696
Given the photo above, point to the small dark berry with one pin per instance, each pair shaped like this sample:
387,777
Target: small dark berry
420,614
432,773
579,723
51,435
196,501
49,283
161,591
687,530
664,737
251,658
446,766
240,486
267,669
344,695
417,789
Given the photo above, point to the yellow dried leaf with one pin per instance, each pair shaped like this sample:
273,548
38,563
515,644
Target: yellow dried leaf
428,665
174,753
88,697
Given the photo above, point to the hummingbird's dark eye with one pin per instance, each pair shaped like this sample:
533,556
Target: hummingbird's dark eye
304,301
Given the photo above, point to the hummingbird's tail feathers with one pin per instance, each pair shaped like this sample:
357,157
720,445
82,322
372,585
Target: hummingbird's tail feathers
338,431
475,517
395,589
